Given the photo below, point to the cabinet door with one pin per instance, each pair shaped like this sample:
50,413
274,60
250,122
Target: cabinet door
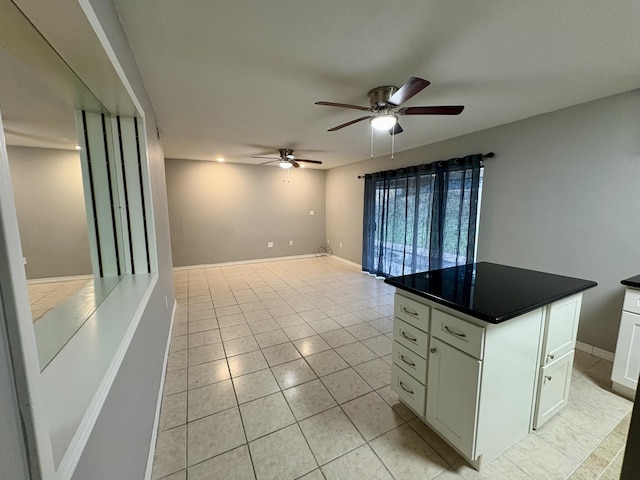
626,364
553,388
452,395
561,328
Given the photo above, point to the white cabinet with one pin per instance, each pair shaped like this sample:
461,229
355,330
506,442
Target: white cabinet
482,387
452,396
626,363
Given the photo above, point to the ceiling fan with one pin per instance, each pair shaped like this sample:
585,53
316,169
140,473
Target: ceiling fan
287,159
384,103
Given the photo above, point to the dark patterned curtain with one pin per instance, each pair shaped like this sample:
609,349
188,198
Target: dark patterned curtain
421,218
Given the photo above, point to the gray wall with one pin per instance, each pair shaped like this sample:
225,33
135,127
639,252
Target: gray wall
47,186
560,196
119,443
222,212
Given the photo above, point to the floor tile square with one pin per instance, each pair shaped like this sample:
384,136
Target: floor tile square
380,345
326,362
177,361
280,310
201,315
377,373
204,440
247,363
357,464
173,412
255,385
383,325
310,345
289,320
231,320
205,354
282,353
324,325
240,345
297,332
233,465
204,338
372,415
282,455
256,315
269,339
347,319
175,382
261,326
171,452
345,385
207,373
237,331
210,399
362,331
312,315
355,353
330,434
338,338
179,343
293,373
308,399
406,455
266,415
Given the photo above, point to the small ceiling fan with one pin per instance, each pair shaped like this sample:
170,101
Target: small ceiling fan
384,103
287,159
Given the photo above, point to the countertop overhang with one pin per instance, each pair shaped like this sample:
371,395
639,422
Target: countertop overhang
633,282
491,292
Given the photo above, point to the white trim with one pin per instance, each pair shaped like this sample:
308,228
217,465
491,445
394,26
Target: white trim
348,262
156,420
595,351
78,442
70,278
243,262
104,40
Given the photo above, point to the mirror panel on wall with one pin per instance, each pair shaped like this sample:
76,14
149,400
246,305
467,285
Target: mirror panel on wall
39,118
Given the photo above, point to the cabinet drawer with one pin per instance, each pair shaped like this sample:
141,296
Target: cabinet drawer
412,312
631,301
410,362
408,389
553,388
409,336
456,332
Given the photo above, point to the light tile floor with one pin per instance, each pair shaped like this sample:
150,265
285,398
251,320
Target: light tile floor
281,370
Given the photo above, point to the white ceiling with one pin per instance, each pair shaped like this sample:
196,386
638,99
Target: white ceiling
240,77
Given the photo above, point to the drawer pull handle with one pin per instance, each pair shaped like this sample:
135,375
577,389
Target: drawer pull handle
457,334
406,389
410,312
432,350
548,377
408,337
411,364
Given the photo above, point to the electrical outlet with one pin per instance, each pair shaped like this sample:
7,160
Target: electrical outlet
269,244
340,244
290,242
312,212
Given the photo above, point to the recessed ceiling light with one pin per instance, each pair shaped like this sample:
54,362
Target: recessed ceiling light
220,159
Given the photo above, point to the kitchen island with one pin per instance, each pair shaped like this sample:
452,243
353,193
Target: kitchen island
483,353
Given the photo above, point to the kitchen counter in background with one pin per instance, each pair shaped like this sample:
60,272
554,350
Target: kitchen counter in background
632,282
626,363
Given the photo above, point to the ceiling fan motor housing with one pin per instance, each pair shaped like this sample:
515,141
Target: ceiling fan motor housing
379,96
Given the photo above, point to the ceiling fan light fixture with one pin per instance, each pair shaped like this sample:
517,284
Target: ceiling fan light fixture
285,165
383,122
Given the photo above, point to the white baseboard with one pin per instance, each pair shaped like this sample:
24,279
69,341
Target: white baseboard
595,351
156,420
244,262
348,262
35,281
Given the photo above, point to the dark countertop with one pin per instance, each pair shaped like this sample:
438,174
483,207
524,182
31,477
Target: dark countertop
632,282
489,291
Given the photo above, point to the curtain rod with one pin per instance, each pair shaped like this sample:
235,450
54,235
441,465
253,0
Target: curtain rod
484,155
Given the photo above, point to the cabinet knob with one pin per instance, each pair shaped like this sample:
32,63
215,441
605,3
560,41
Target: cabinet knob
432,350
548,377
551,356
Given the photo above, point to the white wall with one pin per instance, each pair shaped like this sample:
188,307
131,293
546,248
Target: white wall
560,196
223,212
